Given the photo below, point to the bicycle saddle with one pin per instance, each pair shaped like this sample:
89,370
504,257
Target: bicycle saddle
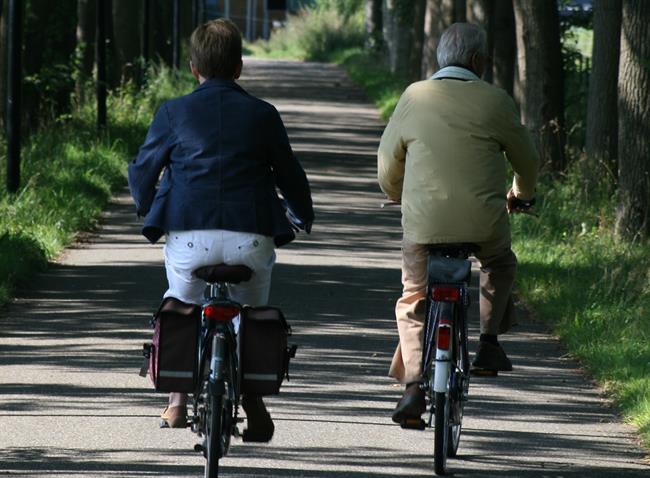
224,273
461,249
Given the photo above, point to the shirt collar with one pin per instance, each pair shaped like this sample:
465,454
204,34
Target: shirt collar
455,72
222,82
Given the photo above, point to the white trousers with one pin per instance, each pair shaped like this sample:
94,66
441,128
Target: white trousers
186,251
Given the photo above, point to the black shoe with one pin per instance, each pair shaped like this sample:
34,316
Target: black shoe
260,425
491,357
411,405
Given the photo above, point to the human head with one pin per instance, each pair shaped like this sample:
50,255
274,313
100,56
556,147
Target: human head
215,49
463,44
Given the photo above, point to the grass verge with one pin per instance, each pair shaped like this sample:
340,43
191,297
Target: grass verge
68,175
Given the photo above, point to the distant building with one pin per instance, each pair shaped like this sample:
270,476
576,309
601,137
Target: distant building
255,18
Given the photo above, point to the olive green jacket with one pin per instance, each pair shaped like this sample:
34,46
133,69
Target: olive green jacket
442,155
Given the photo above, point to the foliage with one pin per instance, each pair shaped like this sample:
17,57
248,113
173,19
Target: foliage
68,175
314,33
593,290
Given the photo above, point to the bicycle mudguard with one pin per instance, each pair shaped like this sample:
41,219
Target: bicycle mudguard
448,270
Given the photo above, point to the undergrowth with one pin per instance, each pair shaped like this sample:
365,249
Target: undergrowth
69,172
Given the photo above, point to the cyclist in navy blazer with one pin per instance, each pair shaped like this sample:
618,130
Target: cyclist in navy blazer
222,154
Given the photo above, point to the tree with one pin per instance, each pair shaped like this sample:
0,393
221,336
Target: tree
602,117
415,73
49,41
398,21
127,19
541,76
504,50
85,44
481,12
3,62
374,38
632,215
439,14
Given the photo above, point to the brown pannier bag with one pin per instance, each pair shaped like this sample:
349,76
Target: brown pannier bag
172,353
265,354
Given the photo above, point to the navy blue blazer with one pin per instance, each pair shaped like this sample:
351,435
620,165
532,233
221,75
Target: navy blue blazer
222,153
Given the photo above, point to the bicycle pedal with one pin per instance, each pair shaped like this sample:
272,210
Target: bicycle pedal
483,372
413,424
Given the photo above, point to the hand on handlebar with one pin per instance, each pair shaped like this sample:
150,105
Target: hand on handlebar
517,205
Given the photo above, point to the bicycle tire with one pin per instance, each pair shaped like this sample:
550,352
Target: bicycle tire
458,384
213,435
441,433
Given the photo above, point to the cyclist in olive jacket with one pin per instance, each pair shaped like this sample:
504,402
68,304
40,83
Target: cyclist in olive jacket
443,156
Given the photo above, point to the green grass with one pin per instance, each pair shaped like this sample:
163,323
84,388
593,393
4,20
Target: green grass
68,175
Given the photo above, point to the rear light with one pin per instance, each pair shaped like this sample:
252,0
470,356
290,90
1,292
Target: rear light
220,313
444,336
445,294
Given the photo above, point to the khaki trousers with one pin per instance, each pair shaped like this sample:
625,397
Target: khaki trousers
497,311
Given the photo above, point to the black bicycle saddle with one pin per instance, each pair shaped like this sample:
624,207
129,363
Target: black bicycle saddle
224,273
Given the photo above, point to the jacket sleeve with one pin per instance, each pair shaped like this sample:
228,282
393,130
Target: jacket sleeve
519,148
152,157
391,156
290,177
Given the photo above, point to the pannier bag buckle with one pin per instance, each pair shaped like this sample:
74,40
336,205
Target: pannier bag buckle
146,352
291,353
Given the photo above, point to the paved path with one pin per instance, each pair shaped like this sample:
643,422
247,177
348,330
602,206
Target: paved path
72,404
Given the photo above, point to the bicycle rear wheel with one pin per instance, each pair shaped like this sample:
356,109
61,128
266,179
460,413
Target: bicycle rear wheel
213,433
441,433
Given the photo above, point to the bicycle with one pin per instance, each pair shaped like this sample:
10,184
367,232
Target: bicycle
217,393
445,354
445,364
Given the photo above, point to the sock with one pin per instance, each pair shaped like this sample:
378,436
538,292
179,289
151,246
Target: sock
489,338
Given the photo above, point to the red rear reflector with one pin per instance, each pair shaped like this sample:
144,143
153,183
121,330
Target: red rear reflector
444,337
445,294
220,313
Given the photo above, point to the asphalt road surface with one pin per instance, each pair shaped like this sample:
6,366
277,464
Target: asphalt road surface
72,403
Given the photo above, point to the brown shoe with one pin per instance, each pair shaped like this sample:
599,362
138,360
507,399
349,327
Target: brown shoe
260,425
411,405
174,417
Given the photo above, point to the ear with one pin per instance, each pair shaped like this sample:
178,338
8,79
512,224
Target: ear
195,72
238,70
478,63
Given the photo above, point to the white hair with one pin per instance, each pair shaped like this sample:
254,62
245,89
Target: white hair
459,42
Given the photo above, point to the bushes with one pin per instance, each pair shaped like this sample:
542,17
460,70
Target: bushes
68,175
314,33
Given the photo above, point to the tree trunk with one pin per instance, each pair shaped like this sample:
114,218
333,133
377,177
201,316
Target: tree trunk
439,14
633,126
374,22
418,40
161,20
602,123
398,32
3,63
505,40
49,45
541,76
85,45
460,11
481,12
127,19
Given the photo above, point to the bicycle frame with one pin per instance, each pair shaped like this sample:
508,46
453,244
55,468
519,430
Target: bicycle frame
219,381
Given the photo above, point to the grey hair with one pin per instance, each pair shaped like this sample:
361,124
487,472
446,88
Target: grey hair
459,42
